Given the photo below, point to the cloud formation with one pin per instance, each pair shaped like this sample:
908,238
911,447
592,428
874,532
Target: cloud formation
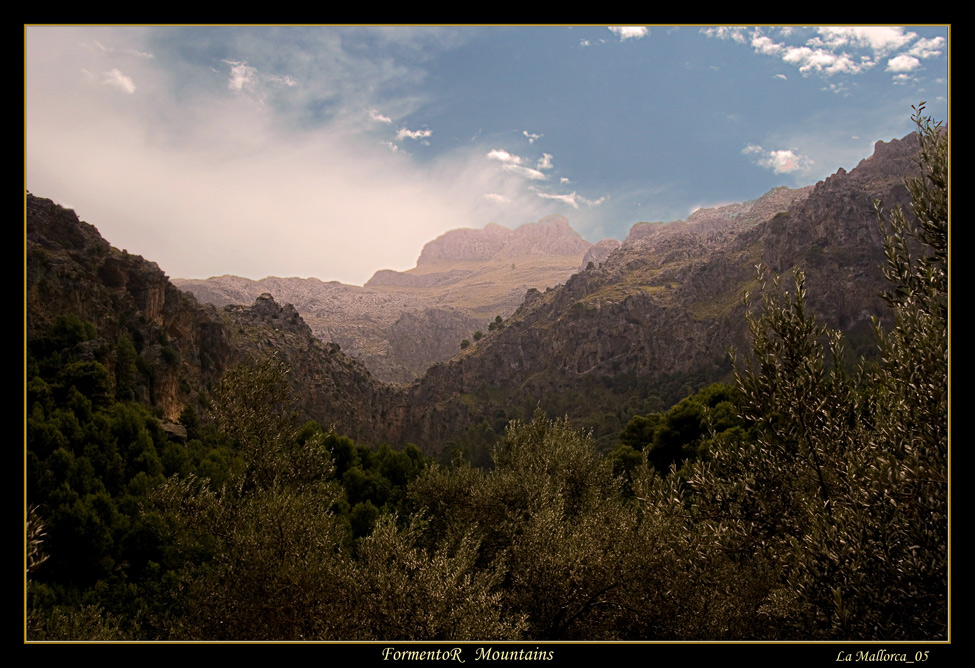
406,133
334,151
830,51
116,79
780,161
513,163
630,32
573,199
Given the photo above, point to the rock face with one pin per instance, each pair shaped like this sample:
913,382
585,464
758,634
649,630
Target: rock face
552,235
598,253
401,323
72,270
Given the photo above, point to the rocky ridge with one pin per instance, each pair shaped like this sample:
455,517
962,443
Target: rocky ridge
654,321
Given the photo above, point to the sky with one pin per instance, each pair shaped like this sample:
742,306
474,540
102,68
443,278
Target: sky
332,152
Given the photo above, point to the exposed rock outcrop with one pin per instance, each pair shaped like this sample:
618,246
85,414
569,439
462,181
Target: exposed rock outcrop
552,235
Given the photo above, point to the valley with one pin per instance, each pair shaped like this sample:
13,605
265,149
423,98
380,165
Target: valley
584,441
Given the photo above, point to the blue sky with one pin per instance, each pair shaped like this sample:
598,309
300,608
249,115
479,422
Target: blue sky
336,151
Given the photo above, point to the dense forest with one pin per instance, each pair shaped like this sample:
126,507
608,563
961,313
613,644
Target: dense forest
806,501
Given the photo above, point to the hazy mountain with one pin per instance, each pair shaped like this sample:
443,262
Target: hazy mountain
402,323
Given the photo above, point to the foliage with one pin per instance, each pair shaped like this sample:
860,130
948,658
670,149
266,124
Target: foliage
842,490
399,589
281,534
268,530
680,434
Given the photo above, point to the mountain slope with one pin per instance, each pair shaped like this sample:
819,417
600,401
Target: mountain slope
182,347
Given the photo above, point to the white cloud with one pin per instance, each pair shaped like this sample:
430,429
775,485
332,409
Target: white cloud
526,172
245,78
531,136
118,80
780,161
242,76
766,45
880,40
630,32
723,32
503,156
786,161
513,163
573,199
285,80
823,61
927,48
903,63
545,162
836,50
128,52
837,88
406,133
376,116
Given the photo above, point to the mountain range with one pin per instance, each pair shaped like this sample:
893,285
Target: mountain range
597,332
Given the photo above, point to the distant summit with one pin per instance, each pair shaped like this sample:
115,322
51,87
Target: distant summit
402,322
552,235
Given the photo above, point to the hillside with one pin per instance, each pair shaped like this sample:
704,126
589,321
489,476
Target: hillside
182,347
244,521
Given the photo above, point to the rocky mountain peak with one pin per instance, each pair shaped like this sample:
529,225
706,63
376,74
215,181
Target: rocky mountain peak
552,235
706,222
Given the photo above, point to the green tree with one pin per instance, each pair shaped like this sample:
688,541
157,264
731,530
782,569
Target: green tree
398,588
682,433
551,517
125,368
262,549
840,490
